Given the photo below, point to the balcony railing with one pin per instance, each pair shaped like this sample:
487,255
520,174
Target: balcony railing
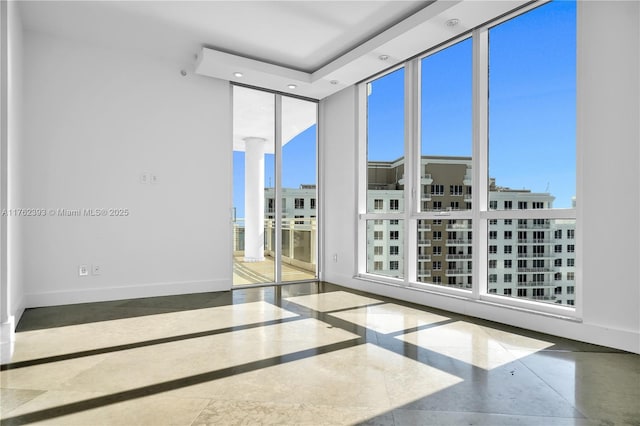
540,269
298,240
424,242
546,225
535,255
542,297
535,241
426,257
459,242
537,284
458,256
458,226
454,272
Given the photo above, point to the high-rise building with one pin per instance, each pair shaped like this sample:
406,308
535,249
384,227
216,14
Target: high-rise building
527,258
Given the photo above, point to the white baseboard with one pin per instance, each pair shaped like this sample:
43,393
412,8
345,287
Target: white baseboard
626,340
33,300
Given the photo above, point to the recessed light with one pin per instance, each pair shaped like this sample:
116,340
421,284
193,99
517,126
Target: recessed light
237,74
452,22
383,57
291,86
334,82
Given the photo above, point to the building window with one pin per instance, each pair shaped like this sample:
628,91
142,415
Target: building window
522,292
394,250
571,248
437,250
507,263
570,302
437,205
508,204
571,276
455,205
437,189
557,290
437,265
493,221
394,222
493,235
394,235
506,292
537,205
507,279
393,265
522,205
437,279
493,263
437,235
299,222
493,249
378,235
571,234
507,249
377,266
571,262
493,278
558,263
394,204
493,205
312,203
378,204
378,250
538,292
508,221
571,289
557,248
455,189
507,235
298,203
557,276
271,205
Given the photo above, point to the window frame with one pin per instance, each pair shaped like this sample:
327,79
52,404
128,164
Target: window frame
480,214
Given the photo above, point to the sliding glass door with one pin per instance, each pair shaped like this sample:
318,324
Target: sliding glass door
275,191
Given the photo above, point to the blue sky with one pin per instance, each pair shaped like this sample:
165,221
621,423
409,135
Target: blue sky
298,167
531,103
531,109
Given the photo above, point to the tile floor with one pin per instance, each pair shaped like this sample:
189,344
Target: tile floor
303,354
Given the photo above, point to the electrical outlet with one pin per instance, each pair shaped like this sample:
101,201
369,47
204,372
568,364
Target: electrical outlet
83,270
96,270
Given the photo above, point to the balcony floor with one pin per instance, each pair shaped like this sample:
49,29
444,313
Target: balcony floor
263,272
311,353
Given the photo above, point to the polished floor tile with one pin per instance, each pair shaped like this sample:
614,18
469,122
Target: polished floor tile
306,354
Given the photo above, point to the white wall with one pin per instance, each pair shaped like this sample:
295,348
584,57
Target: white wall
609,138
11,298
96,120
608,182
337,118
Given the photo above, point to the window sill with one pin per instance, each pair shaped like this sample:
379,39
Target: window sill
524,306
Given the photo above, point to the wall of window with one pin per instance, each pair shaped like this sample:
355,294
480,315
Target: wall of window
471,166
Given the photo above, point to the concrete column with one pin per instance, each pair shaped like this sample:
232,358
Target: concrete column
254,199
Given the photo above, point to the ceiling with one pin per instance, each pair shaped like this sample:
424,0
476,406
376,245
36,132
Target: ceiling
301,35
318,46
